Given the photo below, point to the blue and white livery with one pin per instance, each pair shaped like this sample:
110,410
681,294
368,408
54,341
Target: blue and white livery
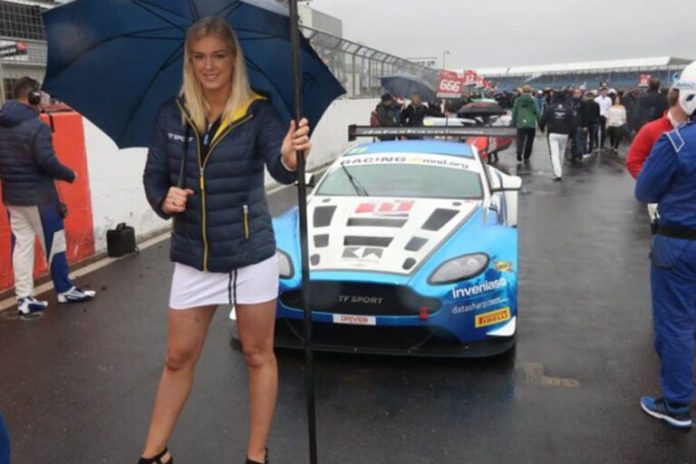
413,250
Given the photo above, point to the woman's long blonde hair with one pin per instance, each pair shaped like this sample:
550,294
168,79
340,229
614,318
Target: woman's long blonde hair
191,90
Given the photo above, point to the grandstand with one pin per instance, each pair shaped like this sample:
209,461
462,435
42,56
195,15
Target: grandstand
620,74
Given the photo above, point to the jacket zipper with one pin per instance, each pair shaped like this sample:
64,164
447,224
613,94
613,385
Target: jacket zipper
201,166
246,222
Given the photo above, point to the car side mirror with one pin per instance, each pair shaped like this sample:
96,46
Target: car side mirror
509,184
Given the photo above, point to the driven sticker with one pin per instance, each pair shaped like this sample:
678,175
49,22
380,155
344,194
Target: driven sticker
494,317
354,320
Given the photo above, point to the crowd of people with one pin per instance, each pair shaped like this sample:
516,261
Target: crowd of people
585,120
591,120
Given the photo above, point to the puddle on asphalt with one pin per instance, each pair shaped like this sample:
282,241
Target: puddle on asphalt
10,315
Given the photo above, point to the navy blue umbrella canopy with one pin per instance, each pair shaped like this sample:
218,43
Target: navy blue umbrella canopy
117,61
405,85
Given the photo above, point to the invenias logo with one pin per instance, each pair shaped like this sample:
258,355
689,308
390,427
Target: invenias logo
484,287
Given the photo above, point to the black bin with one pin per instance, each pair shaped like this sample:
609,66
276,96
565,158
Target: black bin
120,241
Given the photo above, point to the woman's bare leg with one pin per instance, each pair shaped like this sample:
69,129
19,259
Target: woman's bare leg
256,324
185,339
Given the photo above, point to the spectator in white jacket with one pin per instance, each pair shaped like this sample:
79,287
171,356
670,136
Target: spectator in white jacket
604,102
616,123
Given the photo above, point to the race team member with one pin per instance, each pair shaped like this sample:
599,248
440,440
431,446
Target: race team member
558,116
29,170
4,442
669,179
648,135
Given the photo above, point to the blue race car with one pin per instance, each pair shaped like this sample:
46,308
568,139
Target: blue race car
413,250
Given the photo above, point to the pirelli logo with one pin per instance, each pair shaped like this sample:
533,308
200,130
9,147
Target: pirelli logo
494,317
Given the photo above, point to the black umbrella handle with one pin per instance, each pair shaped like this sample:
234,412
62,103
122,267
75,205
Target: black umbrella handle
304,246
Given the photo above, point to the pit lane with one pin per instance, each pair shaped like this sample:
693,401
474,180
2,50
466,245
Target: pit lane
78,384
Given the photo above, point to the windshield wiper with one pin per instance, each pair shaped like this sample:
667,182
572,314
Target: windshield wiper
359,189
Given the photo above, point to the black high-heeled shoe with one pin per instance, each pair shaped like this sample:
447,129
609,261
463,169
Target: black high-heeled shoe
157,459
265,460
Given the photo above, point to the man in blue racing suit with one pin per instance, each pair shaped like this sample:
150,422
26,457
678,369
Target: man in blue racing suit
669,179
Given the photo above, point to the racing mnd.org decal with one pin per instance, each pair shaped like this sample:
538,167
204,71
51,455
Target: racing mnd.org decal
494,317
484,287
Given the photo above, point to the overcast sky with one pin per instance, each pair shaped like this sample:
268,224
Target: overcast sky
485,33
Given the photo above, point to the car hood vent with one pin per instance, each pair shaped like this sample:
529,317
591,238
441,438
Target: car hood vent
378,234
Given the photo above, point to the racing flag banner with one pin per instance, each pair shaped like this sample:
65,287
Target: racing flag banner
470,77
451,85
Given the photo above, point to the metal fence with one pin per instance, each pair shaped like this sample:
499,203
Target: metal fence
357,66
22,45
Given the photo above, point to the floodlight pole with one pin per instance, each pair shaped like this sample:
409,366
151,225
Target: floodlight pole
304,246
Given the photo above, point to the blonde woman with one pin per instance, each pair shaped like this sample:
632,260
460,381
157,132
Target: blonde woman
222,241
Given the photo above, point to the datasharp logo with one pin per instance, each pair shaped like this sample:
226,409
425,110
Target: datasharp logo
478,305
484,287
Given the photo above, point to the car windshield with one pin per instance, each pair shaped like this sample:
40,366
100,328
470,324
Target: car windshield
402,180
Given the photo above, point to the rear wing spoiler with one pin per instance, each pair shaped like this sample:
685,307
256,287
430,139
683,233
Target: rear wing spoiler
355,131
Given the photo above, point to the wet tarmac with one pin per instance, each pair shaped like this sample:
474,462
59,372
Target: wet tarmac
77,385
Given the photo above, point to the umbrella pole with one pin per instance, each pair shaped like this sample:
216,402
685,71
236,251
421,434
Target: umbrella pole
302,206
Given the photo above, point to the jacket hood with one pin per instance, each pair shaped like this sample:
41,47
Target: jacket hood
14,113
526,100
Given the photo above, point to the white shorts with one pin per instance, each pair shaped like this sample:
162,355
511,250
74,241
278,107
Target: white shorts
253,284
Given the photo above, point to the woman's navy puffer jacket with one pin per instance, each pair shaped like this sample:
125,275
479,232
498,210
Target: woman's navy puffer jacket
226,224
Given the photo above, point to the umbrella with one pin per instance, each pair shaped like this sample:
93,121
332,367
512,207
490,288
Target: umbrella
482,108
304,236
117,61
405,85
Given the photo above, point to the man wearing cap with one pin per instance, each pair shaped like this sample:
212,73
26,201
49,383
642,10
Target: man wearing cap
387,115
525,115
668,178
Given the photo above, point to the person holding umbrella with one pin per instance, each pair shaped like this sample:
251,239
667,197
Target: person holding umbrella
205,169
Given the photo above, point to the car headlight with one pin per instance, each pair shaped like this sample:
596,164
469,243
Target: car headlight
285,268
461,268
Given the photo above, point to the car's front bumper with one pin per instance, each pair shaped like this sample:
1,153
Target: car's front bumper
387,340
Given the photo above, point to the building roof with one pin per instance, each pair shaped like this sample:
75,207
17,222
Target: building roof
633,64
